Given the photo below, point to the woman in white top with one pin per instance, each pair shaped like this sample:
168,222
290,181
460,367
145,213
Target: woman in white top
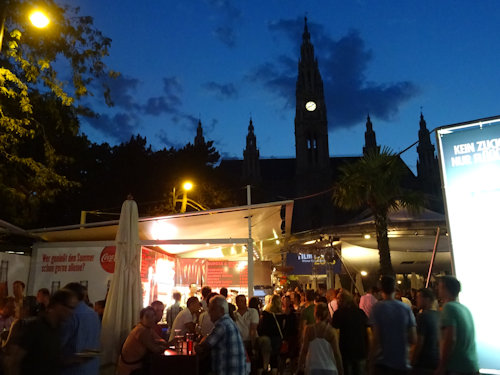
320,353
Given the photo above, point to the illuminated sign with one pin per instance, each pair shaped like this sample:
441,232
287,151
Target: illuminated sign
469,156
227,273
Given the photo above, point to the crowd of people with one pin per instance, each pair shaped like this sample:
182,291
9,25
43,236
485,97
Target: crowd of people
50,334
320,332
325,332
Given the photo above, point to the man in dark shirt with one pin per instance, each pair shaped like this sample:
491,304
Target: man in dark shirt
353,339
39,348
425,355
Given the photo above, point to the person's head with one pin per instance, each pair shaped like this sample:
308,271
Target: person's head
448,288
43,297
287,303
223,292
193,288
331,294
425,298
241,302
148,317
205,291
158,307
217,308
193,304
275,306
18,289
254,303
397,294
99,307
388,285
346,299
61,304
321,312
78,289
30,307
310,295
177,296
8,306
296,299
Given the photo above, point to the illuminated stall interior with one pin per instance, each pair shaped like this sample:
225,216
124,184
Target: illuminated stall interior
197,246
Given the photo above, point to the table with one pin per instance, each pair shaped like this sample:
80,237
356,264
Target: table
172,362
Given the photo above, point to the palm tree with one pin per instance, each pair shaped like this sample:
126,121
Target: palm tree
374,181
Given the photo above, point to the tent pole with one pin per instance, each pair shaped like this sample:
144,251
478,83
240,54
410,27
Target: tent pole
250,245
434,251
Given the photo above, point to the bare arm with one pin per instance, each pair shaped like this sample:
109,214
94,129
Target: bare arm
412,335
253,331
152,341
305,347
447,345
374,348
336,353
417,349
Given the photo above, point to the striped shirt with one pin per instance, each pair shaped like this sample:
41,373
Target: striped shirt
228,353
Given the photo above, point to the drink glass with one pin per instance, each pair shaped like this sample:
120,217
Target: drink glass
189,343
178,340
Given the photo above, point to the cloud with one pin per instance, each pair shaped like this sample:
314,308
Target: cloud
119,126
123,119
121,89
166,140
221,91
342,63
226,35
227,18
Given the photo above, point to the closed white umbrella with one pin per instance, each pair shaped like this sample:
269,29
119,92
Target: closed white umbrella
124,300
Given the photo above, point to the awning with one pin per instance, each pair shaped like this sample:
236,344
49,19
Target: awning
219,233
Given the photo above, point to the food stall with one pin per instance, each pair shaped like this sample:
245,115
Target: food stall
205,247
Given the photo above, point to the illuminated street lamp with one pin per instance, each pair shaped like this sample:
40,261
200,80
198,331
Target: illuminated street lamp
37,18
186,186
185,201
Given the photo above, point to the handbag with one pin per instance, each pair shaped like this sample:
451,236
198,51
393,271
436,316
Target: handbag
284,343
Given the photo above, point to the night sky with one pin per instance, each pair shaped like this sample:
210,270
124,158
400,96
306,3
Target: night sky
223,61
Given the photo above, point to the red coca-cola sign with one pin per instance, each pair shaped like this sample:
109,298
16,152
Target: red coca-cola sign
108,259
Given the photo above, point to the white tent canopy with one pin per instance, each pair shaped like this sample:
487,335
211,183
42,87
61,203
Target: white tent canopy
203,234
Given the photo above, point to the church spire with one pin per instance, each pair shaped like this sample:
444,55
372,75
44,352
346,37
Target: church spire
427,163
199,139
370,138
311,129
251,165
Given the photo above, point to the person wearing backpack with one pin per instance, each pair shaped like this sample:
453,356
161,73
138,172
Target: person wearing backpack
320,353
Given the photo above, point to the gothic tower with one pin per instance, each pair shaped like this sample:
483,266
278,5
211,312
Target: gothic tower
427,166
312,160
370,139
311,128
251,167
199,139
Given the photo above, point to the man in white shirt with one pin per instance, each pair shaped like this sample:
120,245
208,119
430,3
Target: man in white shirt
247,320
187,318
367,301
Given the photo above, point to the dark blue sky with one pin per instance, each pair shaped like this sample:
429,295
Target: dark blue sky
223,60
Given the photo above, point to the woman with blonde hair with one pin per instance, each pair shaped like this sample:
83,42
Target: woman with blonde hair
320,354
272,327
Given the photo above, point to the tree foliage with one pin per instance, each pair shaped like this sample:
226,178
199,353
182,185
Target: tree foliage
37,104
375,181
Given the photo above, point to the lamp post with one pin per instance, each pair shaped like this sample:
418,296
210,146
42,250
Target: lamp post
37,18
187,186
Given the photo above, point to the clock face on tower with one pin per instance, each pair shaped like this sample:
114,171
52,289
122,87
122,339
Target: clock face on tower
310,106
